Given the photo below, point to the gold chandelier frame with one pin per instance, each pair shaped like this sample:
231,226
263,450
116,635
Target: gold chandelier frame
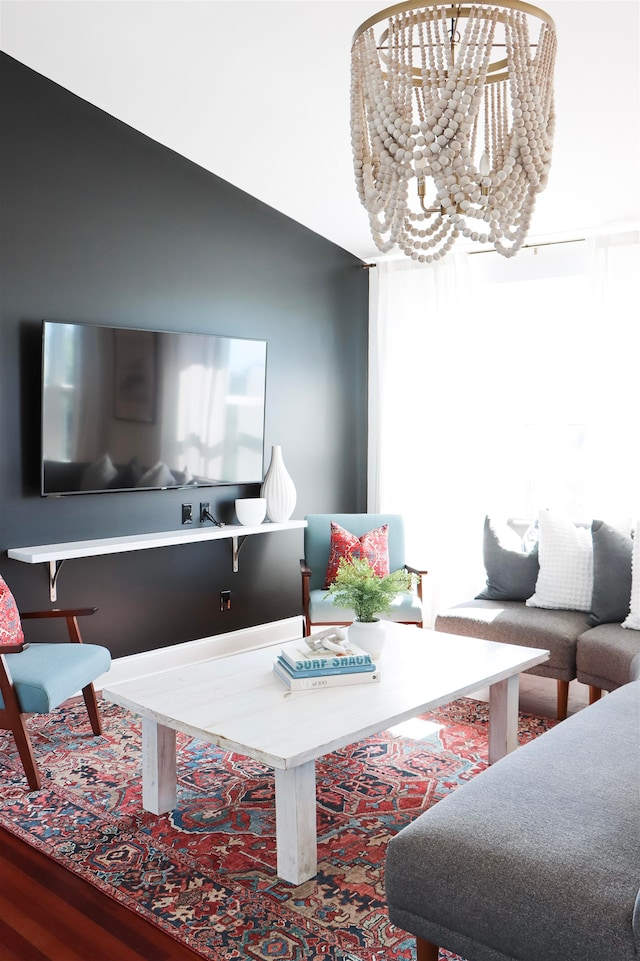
453,13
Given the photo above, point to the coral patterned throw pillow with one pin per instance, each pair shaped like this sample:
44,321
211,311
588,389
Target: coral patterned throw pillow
372,547
10,626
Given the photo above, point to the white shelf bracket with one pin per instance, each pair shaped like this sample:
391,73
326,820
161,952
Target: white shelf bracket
236,544
54,569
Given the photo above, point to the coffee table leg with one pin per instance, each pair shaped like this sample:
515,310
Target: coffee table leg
158,767
296,833
503,717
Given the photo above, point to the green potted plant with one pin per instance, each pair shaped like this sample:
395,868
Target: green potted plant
357,587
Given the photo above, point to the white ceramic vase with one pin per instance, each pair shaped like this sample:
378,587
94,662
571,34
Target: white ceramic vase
278,489
369,636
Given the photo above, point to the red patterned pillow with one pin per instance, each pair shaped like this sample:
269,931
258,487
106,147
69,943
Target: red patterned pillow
10,626
372,546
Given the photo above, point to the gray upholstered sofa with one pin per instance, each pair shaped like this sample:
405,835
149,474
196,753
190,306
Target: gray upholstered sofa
538,857
588,644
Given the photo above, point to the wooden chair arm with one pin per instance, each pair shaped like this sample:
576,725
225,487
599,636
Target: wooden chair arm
11,648
56,612
305,570
71,616
419,574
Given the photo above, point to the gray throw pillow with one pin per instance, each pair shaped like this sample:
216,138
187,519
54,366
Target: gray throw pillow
612,549
512,572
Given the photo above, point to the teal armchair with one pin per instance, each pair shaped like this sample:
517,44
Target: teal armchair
38,677
317,606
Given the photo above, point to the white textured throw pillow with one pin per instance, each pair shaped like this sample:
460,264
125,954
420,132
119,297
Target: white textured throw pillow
633,619
565,553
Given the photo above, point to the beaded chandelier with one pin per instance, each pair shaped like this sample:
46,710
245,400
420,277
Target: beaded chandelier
452,122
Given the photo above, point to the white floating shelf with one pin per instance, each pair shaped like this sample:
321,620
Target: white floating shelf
56,554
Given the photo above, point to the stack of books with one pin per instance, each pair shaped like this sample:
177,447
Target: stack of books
303,670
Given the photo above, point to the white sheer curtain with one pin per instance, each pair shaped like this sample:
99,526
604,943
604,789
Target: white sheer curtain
502,386
423,416
612,448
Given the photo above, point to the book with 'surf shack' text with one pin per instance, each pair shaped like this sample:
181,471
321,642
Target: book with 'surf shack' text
319,680
324,660
351,658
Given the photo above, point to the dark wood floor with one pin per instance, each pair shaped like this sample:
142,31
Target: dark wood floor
49,914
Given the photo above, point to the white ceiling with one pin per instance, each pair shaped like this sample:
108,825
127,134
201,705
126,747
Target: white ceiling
258,92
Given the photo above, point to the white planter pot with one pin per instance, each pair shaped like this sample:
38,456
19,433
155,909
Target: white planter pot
278,489
369,636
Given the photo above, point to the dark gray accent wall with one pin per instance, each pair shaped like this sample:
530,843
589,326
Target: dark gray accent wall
100,224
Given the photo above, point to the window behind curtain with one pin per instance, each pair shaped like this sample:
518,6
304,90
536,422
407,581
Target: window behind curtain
533,344
562,329
519,384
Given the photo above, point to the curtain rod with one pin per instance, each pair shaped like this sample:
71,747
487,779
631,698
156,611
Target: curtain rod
543,243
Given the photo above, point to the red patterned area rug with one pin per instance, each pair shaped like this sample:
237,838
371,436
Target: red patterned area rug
206,872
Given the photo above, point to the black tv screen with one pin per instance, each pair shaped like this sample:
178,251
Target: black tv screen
128,409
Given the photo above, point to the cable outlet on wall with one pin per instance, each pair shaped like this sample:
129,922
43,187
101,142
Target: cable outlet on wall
187,513
225,601
204,510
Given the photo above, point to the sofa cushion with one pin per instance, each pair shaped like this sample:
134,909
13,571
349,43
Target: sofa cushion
512,622
608,656
565,581
534,859
611,574
511,570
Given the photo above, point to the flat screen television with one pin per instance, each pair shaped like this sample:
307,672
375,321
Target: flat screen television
128,409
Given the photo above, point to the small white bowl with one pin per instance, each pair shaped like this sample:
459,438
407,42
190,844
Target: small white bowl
251,510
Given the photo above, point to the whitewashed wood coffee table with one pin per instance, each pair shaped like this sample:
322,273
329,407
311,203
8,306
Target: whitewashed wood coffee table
237,703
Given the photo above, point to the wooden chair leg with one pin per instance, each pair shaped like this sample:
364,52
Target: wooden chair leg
91,704
25,750
563,700
12,719
595,693
426,951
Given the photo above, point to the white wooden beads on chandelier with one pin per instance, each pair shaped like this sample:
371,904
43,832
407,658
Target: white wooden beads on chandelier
431,105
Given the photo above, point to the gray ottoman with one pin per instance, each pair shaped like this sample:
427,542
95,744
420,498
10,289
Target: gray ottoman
538,857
